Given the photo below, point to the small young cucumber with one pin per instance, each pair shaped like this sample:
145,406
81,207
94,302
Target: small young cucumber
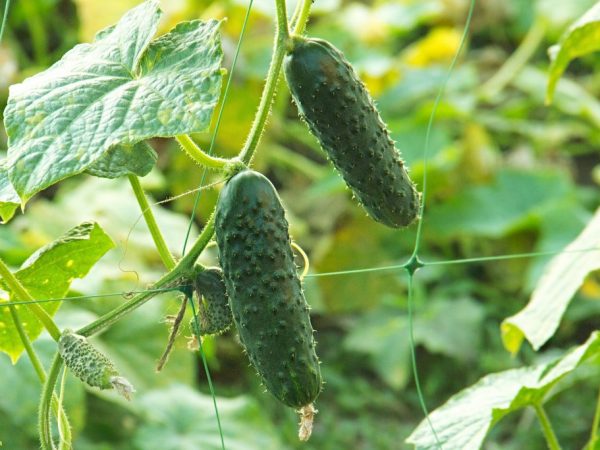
339,111
265,293
214,314
89,365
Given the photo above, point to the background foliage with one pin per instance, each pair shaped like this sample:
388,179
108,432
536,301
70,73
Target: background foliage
507,175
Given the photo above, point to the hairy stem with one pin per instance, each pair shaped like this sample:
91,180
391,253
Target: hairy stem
196,153
551,438
266,99
159,240
44,424
57,408
303,15
21,293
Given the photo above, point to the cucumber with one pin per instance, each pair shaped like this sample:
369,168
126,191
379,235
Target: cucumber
340,113
265,293
90,365
214,314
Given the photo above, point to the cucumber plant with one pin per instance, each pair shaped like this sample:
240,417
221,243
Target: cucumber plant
93,111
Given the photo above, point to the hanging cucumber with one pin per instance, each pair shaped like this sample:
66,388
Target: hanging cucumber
265,293
339,111
214,314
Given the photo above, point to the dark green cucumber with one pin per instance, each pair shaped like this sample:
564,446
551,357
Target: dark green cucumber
265,293
339,111
214,314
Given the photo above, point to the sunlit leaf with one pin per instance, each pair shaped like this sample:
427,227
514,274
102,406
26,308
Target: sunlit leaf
465,419
9,200
47,274
137,159
581,38
565,273
121,89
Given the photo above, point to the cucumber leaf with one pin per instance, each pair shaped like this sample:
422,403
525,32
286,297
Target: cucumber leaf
120,89
465,419
137,159
47,274
581,38
561,278
9,200
181,418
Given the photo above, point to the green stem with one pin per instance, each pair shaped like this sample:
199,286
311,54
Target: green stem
281,40
22,294
300,24
159,240
513,65
44,424
594,438
196,153
184,266
57,408
551,438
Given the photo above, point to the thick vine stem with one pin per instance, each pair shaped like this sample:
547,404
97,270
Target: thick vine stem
547,429
281,42
44,424
65,428
300,23
19,290
196,153
159,240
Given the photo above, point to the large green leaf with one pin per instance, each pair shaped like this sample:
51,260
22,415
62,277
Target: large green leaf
581,38
464,420
9,200
121,89
137,159
449,327
180,418
565,273
509,201
47,274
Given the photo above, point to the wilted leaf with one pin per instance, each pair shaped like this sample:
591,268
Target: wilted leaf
465,419
565,273
121,89
581,38
47,274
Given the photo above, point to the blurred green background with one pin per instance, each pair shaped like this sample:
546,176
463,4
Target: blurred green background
506,174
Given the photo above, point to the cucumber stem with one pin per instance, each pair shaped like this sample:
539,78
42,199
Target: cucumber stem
198,155
159,240
549,434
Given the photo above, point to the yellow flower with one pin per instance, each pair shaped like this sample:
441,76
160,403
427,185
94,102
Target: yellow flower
439,46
